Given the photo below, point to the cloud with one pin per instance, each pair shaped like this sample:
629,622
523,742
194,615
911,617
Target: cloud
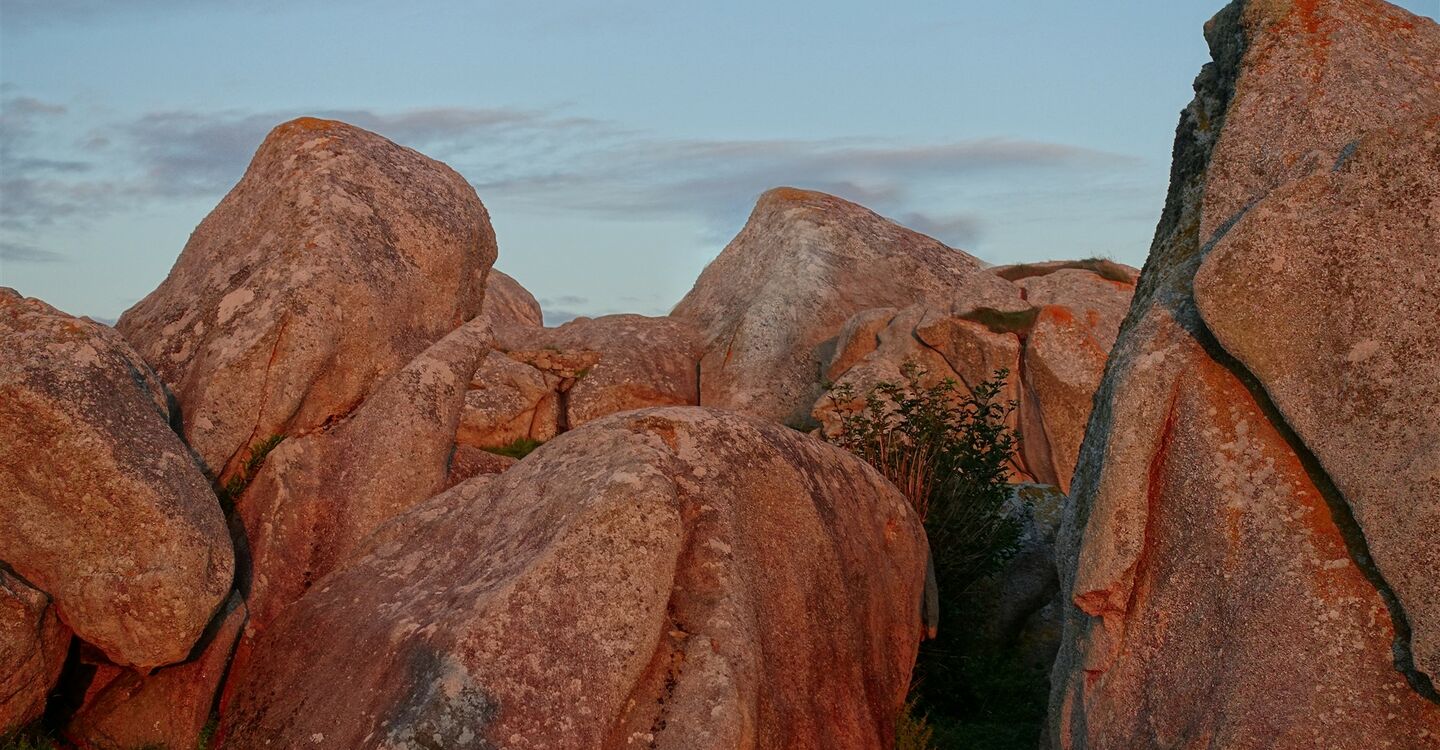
545,161
564,299
16,252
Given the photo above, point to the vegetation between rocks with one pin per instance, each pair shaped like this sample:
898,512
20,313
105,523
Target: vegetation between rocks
517,448
230,490
948,449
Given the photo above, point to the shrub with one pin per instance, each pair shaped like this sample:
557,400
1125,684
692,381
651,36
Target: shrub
948,450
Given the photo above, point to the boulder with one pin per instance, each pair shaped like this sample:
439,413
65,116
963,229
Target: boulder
509,304
105,509
318,496
666,578
1357,378
1222,565
543,381
168,708
802,266
336,259
642,361
33,644
509,400
468,461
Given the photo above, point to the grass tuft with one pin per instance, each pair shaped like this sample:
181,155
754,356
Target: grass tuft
231,489
517,448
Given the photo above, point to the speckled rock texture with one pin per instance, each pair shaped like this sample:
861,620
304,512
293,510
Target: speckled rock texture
167,708
1223,565
643,361
541,382
336,259
667,578
318,496
804,264
1357,376
509,304
1052,334
104,509
33,643
468,461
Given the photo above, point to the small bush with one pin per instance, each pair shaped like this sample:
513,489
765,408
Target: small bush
948,450
517,448
28,738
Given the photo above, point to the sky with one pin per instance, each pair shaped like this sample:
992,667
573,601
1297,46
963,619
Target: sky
618,146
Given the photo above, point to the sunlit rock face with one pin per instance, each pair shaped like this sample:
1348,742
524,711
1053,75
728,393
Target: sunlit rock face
102,507
671,578
1049,325
336,259
1248,557
804,263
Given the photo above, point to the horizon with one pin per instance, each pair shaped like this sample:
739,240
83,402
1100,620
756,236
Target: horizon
619,160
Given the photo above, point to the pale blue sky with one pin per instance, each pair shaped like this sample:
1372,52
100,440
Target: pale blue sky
618,145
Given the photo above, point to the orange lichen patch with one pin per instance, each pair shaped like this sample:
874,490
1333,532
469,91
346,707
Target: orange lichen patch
1060,315
306,125
793,194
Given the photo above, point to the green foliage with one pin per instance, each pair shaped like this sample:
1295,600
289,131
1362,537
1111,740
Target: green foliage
948,450
230,490
28,738
517,448
913,730
1004,321
207,733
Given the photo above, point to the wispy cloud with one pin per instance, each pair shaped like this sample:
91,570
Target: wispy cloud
15,252
542,160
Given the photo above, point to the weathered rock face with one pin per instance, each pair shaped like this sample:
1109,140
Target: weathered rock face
338,258
509,304
1052,333
1358,381
319,495
104,510
672,578
33,643
803,265
1241,469
544,381
167,708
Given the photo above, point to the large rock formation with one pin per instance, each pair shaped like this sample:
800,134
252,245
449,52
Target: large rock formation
318,496
1251,535
804,264
543,381
665,578
102,507
337,259
169,708
33,643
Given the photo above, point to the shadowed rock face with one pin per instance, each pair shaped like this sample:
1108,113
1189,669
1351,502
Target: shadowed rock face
1241,468
104,509
668,578
167,708
804,263
33,643
336,259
